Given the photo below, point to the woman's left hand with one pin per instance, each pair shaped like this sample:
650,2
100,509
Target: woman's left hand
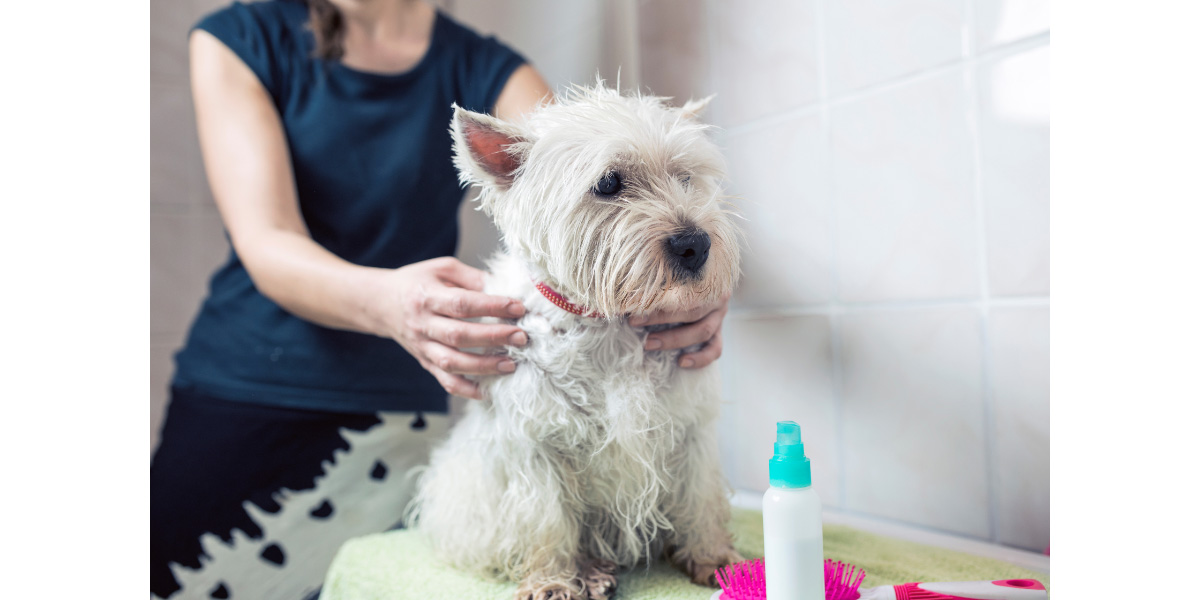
701,325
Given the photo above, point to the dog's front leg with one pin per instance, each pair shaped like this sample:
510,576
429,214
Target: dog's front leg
545,527
699,509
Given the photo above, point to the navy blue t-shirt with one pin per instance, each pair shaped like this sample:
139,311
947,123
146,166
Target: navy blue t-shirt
371,154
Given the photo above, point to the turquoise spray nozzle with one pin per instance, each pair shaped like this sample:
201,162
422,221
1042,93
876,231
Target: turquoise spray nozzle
789,468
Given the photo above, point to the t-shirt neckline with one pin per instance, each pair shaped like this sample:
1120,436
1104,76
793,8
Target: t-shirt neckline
434,43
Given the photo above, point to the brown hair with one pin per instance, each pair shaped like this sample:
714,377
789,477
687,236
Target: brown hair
328,29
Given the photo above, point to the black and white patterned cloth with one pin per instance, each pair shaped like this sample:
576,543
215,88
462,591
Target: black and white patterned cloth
250,501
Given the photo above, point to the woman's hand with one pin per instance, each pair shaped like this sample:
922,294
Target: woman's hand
422,307
701,325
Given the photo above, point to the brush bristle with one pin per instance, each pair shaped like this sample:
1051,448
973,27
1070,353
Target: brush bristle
747,580
842,580
743,581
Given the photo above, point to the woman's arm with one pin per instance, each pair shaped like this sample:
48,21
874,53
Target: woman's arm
522,93
420,305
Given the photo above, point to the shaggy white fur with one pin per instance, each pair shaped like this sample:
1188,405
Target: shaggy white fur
594,454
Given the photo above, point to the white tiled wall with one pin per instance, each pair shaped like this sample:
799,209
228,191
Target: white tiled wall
1019,353
892,160
868,42
913,416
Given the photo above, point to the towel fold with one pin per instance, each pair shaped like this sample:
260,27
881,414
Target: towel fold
398,565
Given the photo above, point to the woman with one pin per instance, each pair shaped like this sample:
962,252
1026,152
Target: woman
320,361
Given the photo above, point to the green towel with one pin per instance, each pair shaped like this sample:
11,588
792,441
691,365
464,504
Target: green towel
397,565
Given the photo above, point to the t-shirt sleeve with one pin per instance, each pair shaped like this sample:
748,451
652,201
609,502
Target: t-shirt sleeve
485,67
248,33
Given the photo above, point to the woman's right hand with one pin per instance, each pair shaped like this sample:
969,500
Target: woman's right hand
422,306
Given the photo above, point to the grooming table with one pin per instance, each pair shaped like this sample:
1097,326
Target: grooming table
398,565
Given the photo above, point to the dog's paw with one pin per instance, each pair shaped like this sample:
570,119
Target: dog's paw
702,569
548,591
600,579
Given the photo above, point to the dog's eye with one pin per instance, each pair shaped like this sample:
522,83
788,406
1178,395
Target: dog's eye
609,185
685,179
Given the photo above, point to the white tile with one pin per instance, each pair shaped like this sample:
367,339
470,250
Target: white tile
869,42
778,369
210,246
171,289
1002,21
184,252
1019,341
170,21
765,58
168,338
203,7
903,184
674,49
619,42
177,284
574,56
780,176
913,417
162,366
493,18
175,167
534,28
478,238
729,424
563,40
531,23
1014,134
201,201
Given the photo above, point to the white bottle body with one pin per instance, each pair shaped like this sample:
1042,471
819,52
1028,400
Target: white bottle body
794,555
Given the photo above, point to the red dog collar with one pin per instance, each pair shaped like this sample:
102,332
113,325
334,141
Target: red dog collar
563,303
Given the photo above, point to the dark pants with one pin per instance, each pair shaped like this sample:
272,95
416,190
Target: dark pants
216,454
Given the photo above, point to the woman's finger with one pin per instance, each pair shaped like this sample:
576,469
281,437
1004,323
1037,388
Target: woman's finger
686,335
464,334
456,362
704,356
457,273
686,316
459,303
456,385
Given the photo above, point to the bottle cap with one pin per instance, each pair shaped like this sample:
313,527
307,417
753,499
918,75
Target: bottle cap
789,468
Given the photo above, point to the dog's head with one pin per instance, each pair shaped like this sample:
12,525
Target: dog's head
615,200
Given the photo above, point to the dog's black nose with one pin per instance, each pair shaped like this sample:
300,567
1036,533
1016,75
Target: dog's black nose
689,249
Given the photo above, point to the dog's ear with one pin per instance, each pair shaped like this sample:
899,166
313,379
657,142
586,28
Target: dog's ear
487,151
694,108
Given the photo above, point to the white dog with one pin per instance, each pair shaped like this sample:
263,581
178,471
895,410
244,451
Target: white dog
595,454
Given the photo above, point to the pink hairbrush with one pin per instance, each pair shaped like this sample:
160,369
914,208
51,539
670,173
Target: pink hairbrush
745,581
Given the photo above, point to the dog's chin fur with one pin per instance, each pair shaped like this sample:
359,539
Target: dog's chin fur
594,454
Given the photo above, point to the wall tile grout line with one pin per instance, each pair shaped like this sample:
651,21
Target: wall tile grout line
971,85
996,53
927,528
835,329
711,56
832,308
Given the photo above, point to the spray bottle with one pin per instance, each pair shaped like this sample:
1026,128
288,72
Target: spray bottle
794,558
